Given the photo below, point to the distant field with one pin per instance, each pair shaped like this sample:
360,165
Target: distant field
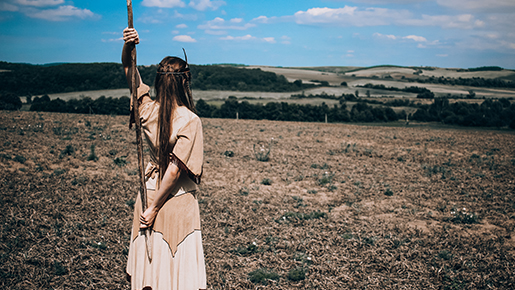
335,76
376,75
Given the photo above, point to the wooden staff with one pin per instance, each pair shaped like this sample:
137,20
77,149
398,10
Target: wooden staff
139,141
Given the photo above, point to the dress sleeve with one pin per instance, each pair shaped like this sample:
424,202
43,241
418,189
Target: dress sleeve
144,100
188,152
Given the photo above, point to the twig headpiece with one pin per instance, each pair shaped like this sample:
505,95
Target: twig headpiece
185,72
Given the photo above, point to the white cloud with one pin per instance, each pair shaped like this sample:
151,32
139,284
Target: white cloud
416,38
245,37
442,55
8,7
360,17
479,5
215,32
462,21
220,24
512,45
261,19
285,39
175,32
163,3
203,5
113,40
183,38
479,23
249,37
236,20
62,13
181,26
269,39
389,36
39,3
422,41
383,2
350,16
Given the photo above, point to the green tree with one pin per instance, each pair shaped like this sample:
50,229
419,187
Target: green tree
9,101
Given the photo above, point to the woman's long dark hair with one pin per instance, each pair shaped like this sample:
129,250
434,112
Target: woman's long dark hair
172,87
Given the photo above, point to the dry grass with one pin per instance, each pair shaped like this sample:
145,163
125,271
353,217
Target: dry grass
343,206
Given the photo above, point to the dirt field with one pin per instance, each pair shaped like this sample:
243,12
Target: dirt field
336,206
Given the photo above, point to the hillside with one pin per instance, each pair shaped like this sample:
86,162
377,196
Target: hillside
458,82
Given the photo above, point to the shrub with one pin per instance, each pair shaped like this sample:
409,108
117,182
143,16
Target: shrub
263,276
9,101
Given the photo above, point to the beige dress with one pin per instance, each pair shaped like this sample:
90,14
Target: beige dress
177,257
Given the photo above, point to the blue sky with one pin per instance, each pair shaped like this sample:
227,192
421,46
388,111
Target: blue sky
444,33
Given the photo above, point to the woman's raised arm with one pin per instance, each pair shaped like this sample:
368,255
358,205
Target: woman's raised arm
131,38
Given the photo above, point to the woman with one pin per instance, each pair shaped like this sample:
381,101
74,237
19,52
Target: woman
174,134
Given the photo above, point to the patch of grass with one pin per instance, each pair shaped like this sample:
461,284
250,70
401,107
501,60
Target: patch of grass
347,236
434,170
59,171
263,276
92,156
130,203
388,192
291,216
297,274
263,155
248,250
120,161
58,130
461,216
325,179
81,180
266,181
20,159
445,255
68,151
5,156
99,245
244,191
59,269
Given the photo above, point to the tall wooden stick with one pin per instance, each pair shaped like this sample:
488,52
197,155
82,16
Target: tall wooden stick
139,141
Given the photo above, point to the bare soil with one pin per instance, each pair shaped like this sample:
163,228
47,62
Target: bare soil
351,207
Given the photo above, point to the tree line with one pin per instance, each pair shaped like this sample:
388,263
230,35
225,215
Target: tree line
361,112
472,82
490,113
27,79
